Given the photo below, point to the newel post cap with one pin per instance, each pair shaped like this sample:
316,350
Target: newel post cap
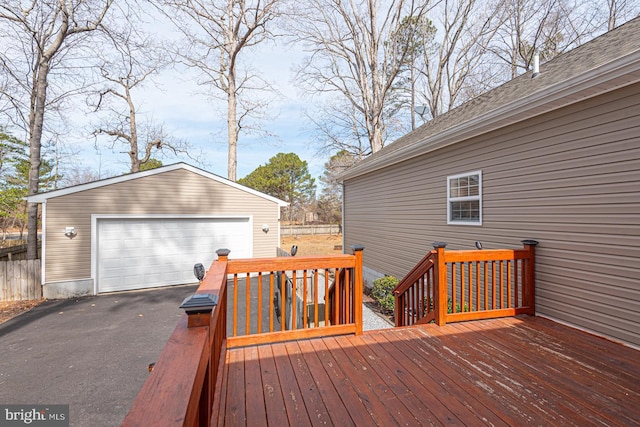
199,303
529,242
357,248
223,252
438,245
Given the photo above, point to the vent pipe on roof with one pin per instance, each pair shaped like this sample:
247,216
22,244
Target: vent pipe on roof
536,65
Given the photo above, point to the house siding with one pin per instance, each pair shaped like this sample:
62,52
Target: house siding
569,179
178,192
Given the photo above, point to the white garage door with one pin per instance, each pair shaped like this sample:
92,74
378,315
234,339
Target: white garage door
145,253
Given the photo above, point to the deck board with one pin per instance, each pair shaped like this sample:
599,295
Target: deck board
318,412
273,399
511,371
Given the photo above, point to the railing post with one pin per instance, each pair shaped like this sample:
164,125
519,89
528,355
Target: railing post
440,291
530,290
199,307
398,308
223,255
357,288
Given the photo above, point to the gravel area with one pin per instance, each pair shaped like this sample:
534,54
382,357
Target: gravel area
372,320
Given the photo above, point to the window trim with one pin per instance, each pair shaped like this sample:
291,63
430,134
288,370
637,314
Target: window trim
465,198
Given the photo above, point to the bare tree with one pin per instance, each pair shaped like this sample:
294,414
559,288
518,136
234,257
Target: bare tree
131,62
452,57
619,11
79,175
218,33
42,35
337,126
544,27
329,205
354,54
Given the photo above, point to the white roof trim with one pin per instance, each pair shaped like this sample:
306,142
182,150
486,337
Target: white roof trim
622,72
43,197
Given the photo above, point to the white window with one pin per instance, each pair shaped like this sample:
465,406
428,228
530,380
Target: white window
464,199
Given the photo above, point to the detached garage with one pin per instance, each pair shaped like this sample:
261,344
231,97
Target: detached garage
148,229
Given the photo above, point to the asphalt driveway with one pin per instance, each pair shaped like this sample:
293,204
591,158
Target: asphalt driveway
91,353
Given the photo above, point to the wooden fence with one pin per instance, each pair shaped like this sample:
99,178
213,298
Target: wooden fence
301,230
18,252
20,280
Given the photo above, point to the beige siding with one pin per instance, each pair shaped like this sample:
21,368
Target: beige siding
177,192
569,178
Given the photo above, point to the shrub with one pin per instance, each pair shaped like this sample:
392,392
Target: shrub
381,292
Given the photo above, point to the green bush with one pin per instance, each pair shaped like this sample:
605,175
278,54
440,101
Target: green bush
381,292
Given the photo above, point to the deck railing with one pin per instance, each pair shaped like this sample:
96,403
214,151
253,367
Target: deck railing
453,286
277,299
180,390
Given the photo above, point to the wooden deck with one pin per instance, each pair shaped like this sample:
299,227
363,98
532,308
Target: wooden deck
511,371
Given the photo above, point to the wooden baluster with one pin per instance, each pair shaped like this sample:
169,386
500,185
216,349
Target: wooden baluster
336,297
271,294
500,266
493,285
326,296
259,331
283,300
463,288
509,266
421,296
414,303
294,301
315,299
517,271
247,304
235,305
485,283
304,299
430,290
478,305
454,286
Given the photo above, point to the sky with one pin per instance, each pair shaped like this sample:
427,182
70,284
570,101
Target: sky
177,102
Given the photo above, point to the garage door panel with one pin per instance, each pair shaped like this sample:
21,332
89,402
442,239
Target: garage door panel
139,253
129,244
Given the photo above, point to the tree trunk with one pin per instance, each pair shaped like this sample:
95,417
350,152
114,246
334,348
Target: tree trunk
35,141
377,141
232,126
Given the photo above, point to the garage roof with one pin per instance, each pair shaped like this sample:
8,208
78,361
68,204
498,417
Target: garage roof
43,197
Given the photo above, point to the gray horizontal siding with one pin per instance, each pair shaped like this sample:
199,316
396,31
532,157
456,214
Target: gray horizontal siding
569,178
177,192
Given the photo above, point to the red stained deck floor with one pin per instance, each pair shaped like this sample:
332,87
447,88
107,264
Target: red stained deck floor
512,371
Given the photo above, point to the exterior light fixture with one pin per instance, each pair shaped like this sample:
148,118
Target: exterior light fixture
265,228
478,244
198,271
70,232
